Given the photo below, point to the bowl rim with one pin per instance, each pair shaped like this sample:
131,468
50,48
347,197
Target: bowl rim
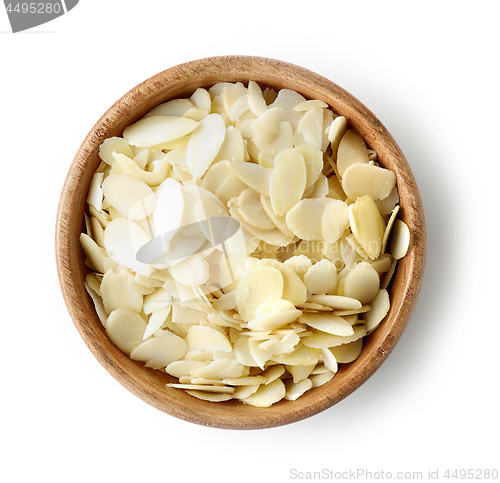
181,79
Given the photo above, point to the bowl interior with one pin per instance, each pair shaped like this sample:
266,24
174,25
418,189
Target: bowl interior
149,385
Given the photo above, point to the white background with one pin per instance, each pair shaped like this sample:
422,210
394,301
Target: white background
429,70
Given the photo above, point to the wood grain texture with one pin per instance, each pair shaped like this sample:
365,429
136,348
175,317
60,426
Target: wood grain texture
149,385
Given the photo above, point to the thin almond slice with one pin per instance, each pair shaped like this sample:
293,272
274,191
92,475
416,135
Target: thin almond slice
299,373
329,360
267,395
117,292
337,130
280,346
362,283
286,100
388,228
313,158
233,147
219,369
203,337
320,340
252,211
95,254
159,352
253,175
245,381
321,278
122,239
366,179
278,220
387,205
256,101
274,320
203,387
287,181
266,126
273,372
283,141
156,174
346,353
114,145
99,306
294,289
204,144
300,356
174,107
351,150
320,379
156,320
130,196
336,301
201,99
125,329
208,396
311,126
154,130
95,191
367,225
330,324
307,105
379,308
335,220
295,390
183,367
304,219
226,302
399,241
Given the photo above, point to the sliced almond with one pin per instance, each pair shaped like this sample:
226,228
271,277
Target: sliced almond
330,324
362,283
253,175
202,337
400,240
351,150
267,395
125,329
321,278
365,179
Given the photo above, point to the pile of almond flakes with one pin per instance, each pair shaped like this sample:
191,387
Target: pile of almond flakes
239,241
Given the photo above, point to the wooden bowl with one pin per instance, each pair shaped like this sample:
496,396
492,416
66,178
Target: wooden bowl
149,385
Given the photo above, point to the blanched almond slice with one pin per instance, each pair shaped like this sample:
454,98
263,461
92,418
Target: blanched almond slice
300,356
154,130
207,396
348,352
330,324
99,306
362,283
337,130
321,278
280,346
159,352
185,315
295,390
117,292
259,355
304,219
245,381
313,158
226,302
336,301
274,320
320,340
203,337
287,181
252,211
278,220
130,196
114,145
212,179
273,372
239,109
387,205
242,392
320,379
219,369
286,100
299,373
267,395
242,352
183,368
399,241
266,126
122,239
335,220
95,191
307,105
169,209
203,387
388,228
351,150
367,225
233,147
300,264
329,360
174,107
283,141
379,308
125,329
95,254
201,99
256,101
253,175
311,126
192,271
365,179
156,320
204,144
294,289
154,177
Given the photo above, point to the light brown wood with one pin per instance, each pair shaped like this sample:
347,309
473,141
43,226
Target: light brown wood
149,385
